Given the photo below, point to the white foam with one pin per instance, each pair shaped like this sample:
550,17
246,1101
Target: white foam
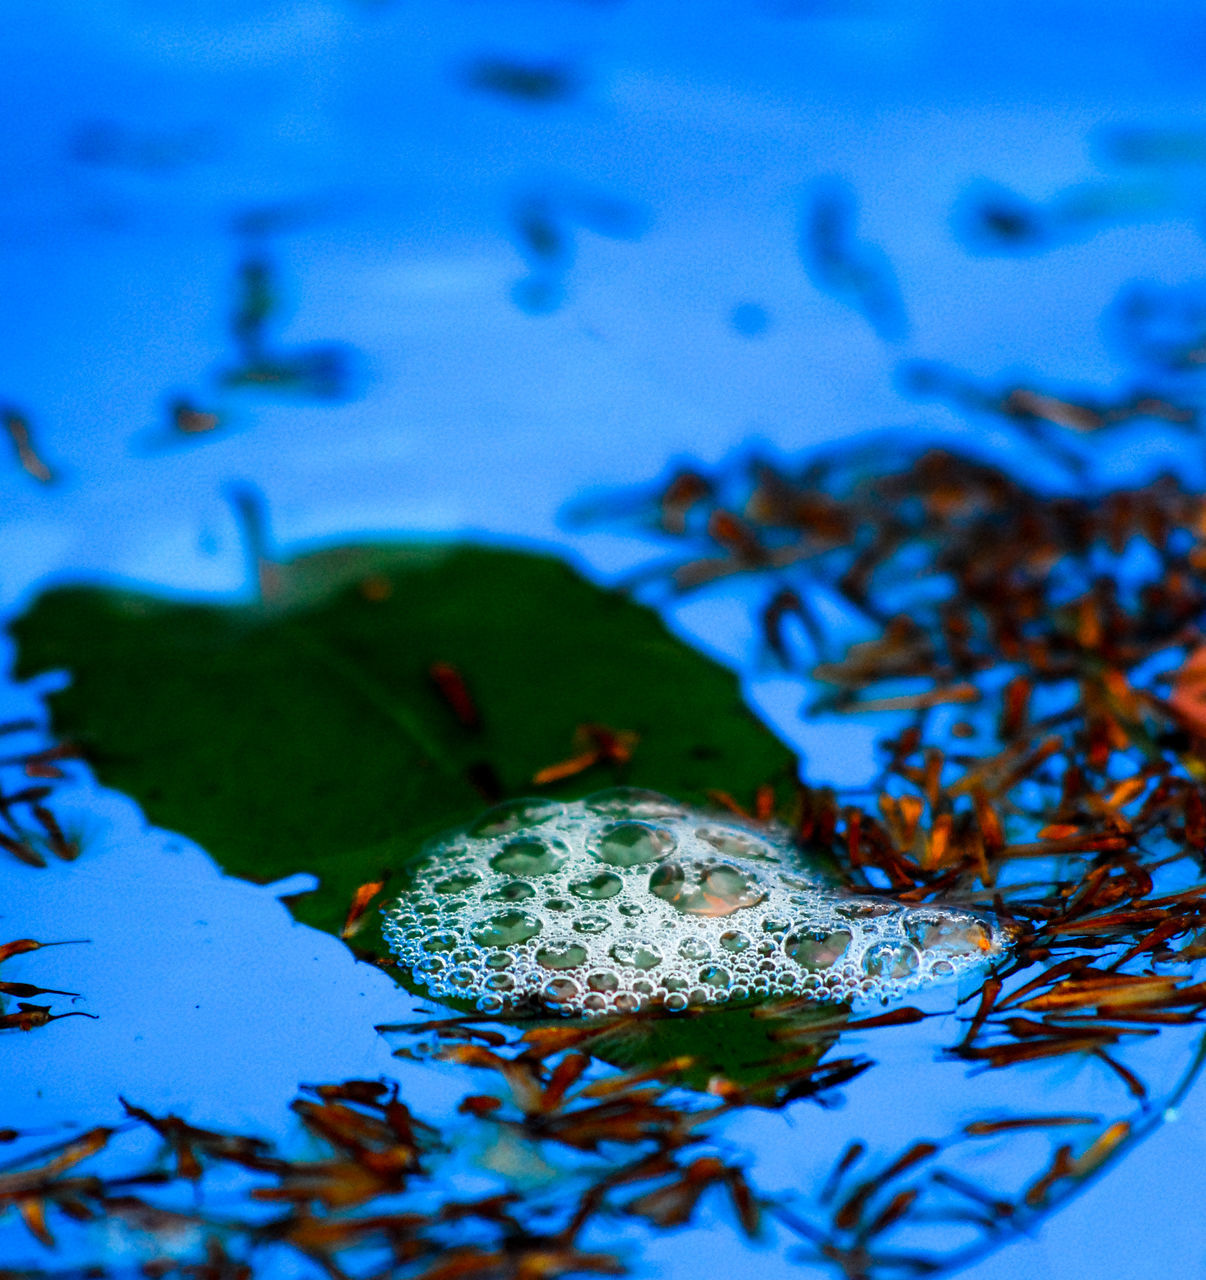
628,899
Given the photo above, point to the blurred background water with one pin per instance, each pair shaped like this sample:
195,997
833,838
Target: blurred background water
441,267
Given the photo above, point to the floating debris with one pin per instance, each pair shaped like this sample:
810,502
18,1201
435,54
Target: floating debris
538,82
628,900
854,271
16,424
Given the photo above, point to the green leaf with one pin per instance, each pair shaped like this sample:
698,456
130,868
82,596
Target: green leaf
306,734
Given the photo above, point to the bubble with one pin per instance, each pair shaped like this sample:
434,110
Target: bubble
570,956
633,802
686,909
866,909
713,975
560,990
732,843
514,815
632,844
891,960
506,928
529,856
592,924
636,955
956,935
457,884
699,889
516,891
817,948
598,888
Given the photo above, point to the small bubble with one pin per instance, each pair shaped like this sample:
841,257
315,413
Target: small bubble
463,977
817,948
942,969
430,965
457,884
559,990
693,949
530,857
559,904
734,941
632,844
592,924
626,1002
676,1002
498,960
593,1003
597,888
636,955
500,982
516,891
603,981
505,929
442,941
643,987
891,960
631,909
489,1003
567,957
713,975
775,924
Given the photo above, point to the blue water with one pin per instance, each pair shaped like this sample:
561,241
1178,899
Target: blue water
506,302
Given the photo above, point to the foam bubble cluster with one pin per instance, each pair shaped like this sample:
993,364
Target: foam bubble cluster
629,899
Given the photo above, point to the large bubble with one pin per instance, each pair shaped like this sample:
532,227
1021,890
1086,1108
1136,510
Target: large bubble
628,900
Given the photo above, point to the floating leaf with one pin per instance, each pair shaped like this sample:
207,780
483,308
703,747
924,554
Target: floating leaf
312,732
